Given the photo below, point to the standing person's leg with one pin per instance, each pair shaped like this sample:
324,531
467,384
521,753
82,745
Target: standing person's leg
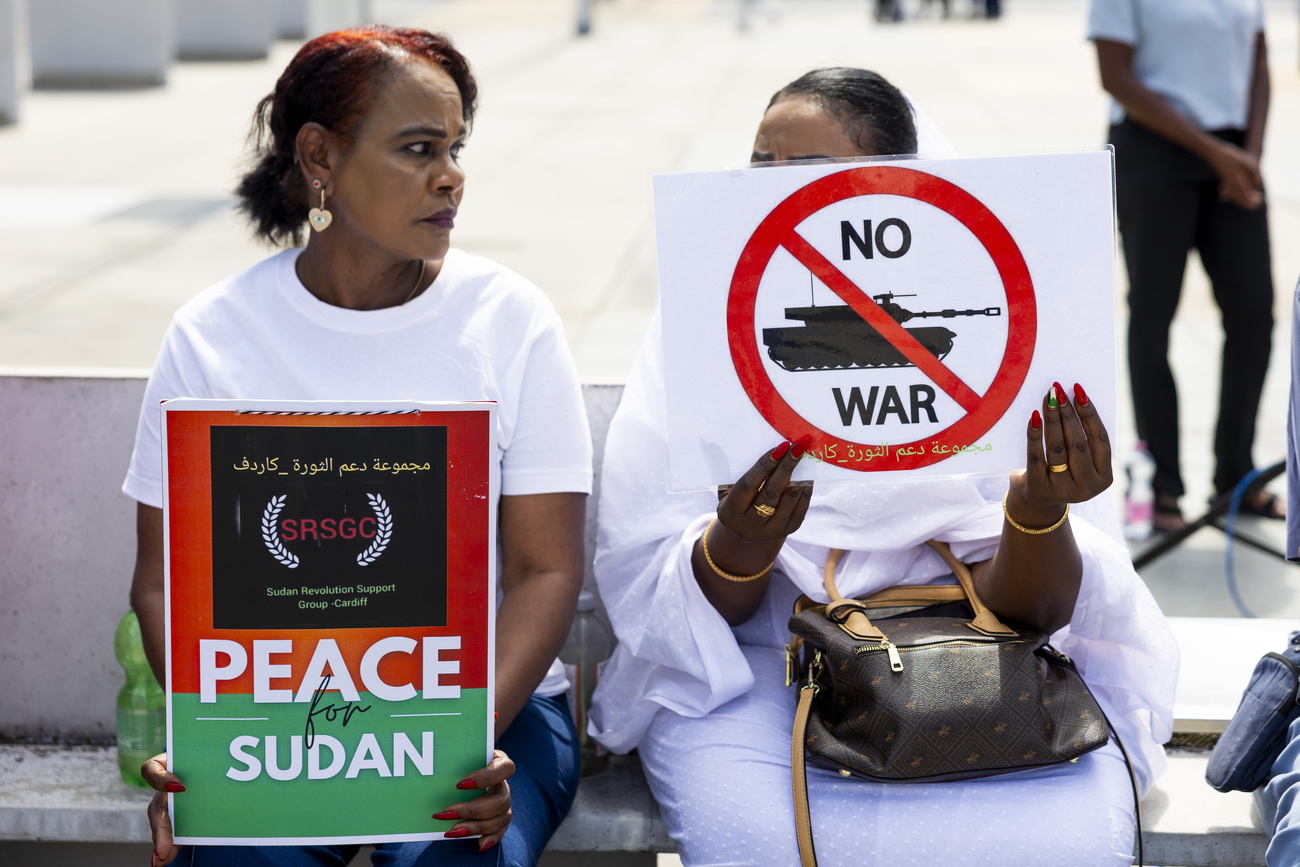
544,747
1234,248
1157,223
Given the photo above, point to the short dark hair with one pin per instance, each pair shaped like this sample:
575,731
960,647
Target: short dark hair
875,114
331,81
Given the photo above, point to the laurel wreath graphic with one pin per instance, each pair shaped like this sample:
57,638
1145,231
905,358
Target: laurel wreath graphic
383,532
271,532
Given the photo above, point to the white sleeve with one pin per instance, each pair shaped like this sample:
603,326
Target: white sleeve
1124,648
675,650
550,444
144,481
1114,20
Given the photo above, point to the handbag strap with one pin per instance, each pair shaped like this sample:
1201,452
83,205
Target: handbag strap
857,624
984,620
799,778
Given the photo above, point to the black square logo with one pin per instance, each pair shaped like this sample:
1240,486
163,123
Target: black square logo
328,527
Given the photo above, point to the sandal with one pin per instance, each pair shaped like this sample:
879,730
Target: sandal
1166,517
1262,504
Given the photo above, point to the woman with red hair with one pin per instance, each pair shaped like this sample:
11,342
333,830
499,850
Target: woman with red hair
360,140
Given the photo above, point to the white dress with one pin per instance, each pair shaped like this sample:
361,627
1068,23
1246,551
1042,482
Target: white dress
707,707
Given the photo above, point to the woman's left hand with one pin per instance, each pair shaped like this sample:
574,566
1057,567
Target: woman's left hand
488,815
1069,458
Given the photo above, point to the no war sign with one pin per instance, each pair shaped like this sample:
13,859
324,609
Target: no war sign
908,315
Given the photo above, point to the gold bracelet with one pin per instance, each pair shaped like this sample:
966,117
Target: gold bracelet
1012,521
739,579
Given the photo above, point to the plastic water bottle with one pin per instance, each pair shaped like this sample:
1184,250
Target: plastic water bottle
1139,498
589,644
141,705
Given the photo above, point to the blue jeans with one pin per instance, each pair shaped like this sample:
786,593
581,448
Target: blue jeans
1279,809
544,747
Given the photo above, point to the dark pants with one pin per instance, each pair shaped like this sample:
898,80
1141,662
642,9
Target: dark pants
1168,204
544,747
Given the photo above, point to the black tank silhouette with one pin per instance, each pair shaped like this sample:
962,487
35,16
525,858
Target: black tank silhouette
837,338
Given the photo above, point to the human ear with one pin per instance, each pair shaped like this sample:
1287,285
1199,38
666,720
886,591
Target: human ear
314,148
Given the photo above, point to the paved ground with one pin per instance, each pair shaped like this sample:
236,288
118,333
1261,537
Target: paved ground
114,205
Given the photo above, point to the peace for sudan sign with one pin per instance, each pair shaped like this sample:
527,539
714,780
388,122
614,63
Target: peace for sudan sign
330,599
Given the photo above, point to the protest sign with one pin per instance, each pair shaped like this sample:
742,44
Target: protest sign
330,614
906,314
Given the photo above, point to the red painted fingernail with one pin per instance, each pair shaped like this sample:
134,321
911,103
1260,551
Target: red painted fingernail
446,815
1060,392
1035,420
801,445
779,451
457,832
1080,396
496,715
467,783
488,845
174,787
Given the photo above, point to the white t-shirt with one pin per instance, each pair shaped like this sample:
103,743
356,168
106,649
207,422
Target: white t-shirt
479,332
1197,54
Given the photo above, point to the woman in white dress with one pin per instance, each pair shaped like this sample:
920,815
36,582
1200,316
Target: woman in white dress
697,681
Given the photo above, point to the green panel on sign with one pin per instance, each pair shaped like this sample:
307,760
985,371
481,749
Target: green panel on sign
385,771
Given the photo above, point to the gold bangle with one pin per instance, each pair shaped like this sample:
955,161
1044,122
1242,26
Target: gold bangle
1012,521
739,579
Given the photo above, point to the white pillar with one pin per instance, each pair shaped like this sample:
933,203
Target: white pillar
12,38
290,18
326,16
101,42
228,30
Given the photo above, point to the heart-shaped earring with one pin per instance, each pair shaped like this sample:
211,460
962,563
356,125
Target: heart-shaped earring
319,218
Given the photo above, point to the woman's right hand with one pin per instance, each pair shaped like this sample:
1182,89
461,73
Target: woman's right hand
1239,179
155,773
755,515
763,506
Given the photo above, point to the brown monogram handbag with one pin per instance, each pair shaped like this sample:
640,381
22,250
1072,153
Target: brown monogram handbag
926,684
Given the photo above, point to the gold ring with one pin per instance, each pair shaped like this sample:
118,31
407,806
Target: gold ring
1058,468
765,511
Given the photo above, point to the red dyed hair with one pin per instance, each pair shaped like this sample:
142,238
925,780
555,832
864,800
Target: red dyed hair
331,81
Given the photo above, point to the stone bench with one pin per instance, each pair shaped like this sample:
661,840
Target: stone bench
73,794
67,552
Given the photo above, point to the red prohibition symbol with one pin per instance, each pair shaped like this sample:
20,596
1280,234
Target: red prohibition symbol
778,231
